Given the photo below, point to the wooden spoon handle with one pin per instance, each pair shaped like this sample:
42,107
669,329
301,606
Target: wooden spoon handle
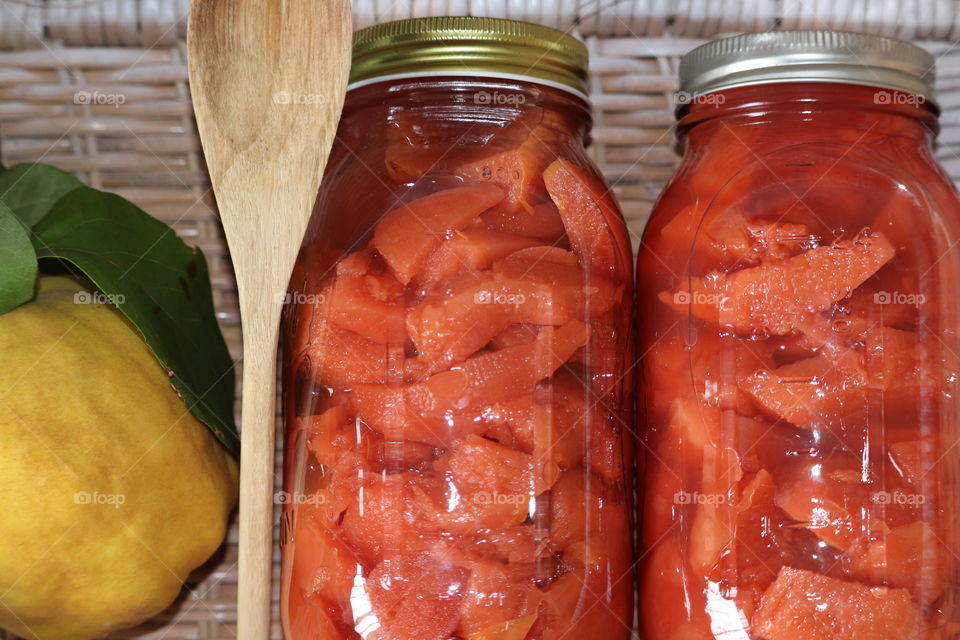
258,424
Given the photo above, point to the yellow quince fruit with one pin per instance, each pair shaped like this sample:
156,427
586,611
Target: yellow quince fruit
111,491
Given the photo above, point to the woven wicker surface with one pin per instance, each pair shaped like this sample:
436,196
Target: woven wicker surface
65,64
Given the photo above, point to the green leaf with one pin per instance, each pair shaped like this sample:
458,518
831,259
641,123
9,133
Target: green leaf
159,283
31,190
18,272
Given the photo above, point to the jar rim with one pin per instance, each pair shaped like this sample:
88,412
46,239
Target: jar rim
473,75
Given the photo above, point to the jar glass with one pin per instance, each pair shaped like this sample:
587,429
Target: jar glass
799,285
456,387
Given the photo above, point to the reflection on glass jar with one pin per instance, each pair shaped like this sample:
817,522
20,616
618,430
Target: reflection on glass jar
800,277
457,354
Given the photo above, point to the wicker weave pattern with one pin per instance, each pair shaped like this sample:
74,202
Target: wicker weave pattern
66,66
152,23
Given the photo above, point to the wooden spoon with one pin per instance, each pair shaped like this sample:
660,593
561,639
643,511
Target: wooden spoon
268,80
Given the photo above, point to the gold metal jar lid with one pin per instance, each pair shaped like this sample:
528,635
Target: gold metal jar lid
465,46
807,56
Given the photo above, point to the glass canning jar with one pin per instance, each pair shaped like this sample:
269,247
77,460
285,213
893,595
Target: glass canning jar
457,350
799,281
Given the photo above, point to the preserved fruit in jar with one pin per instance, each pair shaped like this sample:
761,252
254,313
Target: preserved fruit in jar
457,354
799,285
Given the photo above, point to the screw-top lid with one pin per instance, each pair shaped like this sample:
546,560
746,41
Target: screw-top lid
807,56
464,46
